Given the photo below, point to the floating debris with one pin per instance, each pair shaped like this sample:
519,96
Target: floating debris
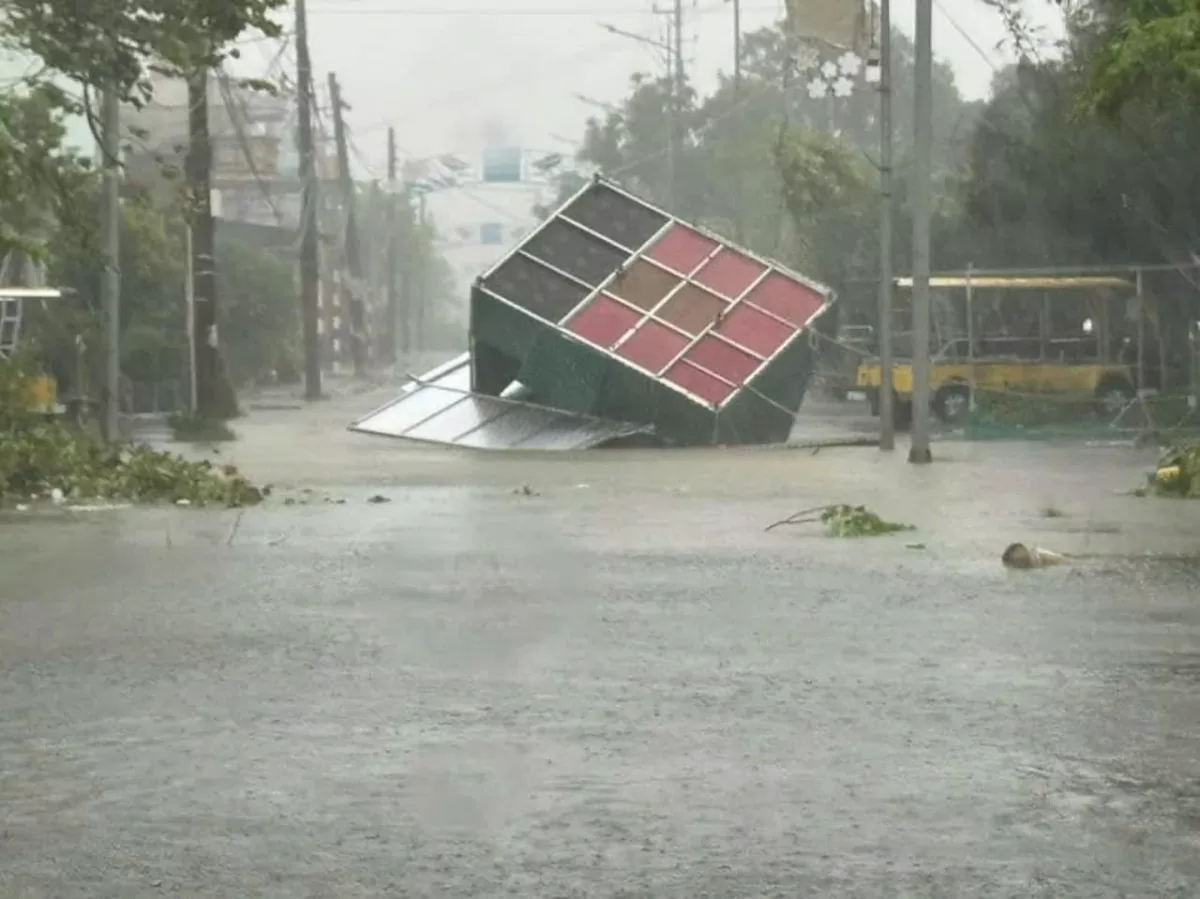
842,520
1176,475
1021,557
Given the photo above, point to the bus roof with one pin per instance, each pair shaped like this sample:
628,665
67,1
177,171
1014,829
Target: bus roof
1028,283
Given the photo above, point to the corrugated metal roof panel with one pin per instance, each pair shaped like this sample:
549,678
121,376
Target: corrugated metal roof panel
438,408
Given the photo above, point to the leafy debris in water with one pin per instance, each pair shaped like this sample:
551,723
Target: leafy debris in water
842,520
1177,474
52,461
42,459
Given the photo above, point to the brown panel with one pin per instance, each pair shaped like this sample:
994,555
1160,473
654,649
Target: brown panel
692,309
643,284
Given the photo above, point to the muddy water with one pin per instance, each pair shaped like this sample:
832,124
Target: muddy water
618,686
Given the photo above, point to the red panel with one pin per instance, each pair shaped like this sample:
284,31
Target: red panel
754,330
699,383
791,301
682,249
603,321
692,309
652,346
729,273
720,358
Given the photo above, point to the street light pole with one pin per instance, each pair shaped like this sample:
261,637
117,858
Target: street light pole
919,452
887,407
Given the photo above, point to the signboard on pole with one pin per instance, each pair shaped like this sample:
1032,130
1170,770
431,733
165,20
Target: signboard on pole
502,165
838,23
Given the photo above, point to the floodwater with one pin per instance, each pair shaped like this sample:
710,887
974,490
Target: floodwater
612,684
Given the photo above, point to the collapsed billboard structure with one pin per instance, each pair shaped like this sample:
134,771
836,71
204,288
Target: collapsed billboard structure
617,320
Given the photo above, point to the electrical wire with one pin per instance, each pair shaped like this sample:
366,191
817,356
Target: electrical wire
504,82
238,119
354,9
965,35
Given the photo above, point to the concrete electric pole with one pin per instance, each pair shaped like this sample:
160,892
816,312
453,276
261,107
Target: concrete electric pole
310,270
207,370
390,266
922,204
677,104
110,286
358,319
739,199
887,406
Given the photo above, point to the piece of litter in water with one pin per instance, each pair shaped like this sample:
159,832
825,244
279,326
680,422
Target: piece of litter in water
1018,555
914,545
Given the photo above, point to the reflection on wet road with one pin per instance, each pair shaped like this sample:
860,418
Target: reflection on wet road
469,693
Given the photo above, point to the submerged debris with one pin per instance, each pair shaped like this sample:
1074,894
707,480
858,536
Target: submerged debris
1022,557
844,521
1177,474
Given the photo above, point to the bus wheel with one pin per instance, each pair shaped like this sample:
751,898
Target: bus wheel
1113,395
873,400
902,414
952,403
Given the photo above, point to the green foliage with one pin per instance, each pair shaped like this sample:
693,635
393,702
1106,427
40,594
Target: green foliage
16,391
1151,55
119,42
1031,409
841,520
858,521
1178,473
259,316
39,458
39,180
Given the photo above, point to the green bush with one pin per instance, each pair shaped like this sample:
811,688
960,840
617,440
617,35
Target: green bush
39,457
1032,409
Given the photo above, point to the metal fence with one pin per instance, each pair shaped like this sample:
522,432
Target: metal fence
155,397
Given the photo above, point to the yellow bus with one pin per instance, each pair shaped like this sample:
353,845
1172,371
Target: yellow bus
1075,336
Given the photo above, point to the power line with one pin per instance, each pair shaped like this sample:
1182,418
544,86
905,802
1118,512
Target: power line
965,35
505,81
351,8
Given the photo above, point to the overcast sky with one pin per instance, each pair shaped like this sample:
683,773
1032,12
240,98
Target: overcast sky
449,73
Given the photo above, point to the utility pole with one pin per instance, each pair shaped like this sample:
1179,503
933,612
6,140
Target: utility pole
677,104
671,112
887,406
110,286
358,329
390,266
310,271
739,202
420,297
204,282
919,452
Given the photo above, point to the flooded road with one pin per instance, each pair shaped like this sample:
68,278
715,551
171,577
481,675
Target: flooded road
618,686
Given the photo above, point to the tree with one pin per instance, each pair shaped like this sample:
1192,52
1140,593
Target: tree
39,180
118,43
1152,54
259,315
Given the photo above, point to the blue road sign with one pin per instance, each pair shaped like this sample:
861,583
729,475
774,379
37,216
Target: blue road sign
502,165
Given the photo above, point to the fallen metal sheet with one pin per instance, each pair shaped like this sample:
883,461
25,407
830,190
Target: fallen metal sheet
439,407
